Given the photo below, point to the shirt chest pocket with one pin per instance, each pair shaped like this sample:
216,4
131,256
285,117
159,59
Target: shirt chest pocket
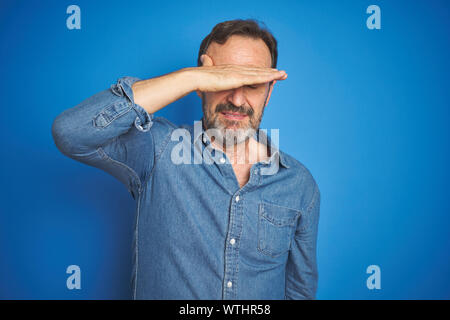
276,226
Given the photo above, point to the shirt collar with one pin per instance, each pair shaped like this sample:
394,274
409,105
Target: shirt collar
259,135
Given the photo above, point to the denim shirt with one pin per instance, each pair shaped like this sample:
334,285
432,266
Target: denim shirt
198,234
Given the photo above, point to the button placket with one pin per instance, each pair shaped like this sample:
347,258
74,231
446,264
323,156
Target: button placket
232,249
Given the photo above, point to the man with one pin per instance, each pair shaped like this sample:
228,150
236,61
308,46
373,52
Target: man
221,213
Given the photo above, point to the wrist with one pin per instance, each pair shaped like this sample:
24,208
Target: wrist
190,77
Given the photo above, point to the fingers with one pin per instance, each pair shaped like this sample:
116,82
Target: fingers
283,75
260,79
249,70
278,75
265,72
263,75
230,76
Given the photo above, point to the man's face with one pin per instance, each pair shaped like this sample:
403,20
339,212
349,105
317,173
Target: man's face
236,113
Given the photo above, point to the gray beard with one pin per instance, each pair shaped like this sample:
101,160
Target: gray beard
231,137
226,136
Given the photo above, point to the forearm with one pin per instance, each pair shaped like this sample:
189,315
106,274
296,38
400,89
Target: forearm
156,93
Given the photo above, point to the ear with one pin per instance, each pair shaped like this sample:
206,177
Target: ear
207,60
270,92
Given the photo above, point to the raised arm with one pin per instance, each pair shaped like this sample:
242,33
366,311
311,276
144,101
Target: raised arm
114,129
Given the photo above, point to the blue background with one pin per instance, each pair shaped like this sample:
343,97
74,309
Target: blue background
366,111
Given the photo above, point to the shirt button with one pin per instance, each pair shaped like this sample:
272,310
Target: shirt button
229,284
222,160
237,198
204,139
232,241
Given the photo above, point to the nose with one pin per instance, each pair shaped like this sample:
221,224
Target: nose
237,96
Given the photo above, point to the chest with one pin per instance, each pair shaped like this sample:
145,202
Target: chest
242,173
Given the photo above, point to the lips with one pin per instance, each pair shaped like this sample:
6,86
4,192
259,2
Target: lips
234,115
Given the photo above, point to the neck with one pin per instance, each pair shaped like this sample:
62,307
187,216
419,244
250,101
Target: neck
248,152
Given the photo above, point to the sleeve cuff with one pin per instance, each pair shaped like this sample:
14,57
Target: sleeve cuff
143,121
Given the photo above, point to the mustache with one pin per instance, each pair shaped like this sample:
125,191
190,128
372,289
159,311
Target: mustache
232,108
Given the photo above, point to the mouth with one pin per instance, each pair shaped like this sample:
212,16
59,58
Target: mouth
234,115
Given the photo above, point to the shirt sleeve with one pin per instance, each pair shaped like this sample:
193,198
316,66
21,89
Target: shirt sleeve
111,132
301,268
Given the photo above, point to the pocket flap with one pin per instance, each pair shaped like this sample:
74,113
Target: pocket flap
278,215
